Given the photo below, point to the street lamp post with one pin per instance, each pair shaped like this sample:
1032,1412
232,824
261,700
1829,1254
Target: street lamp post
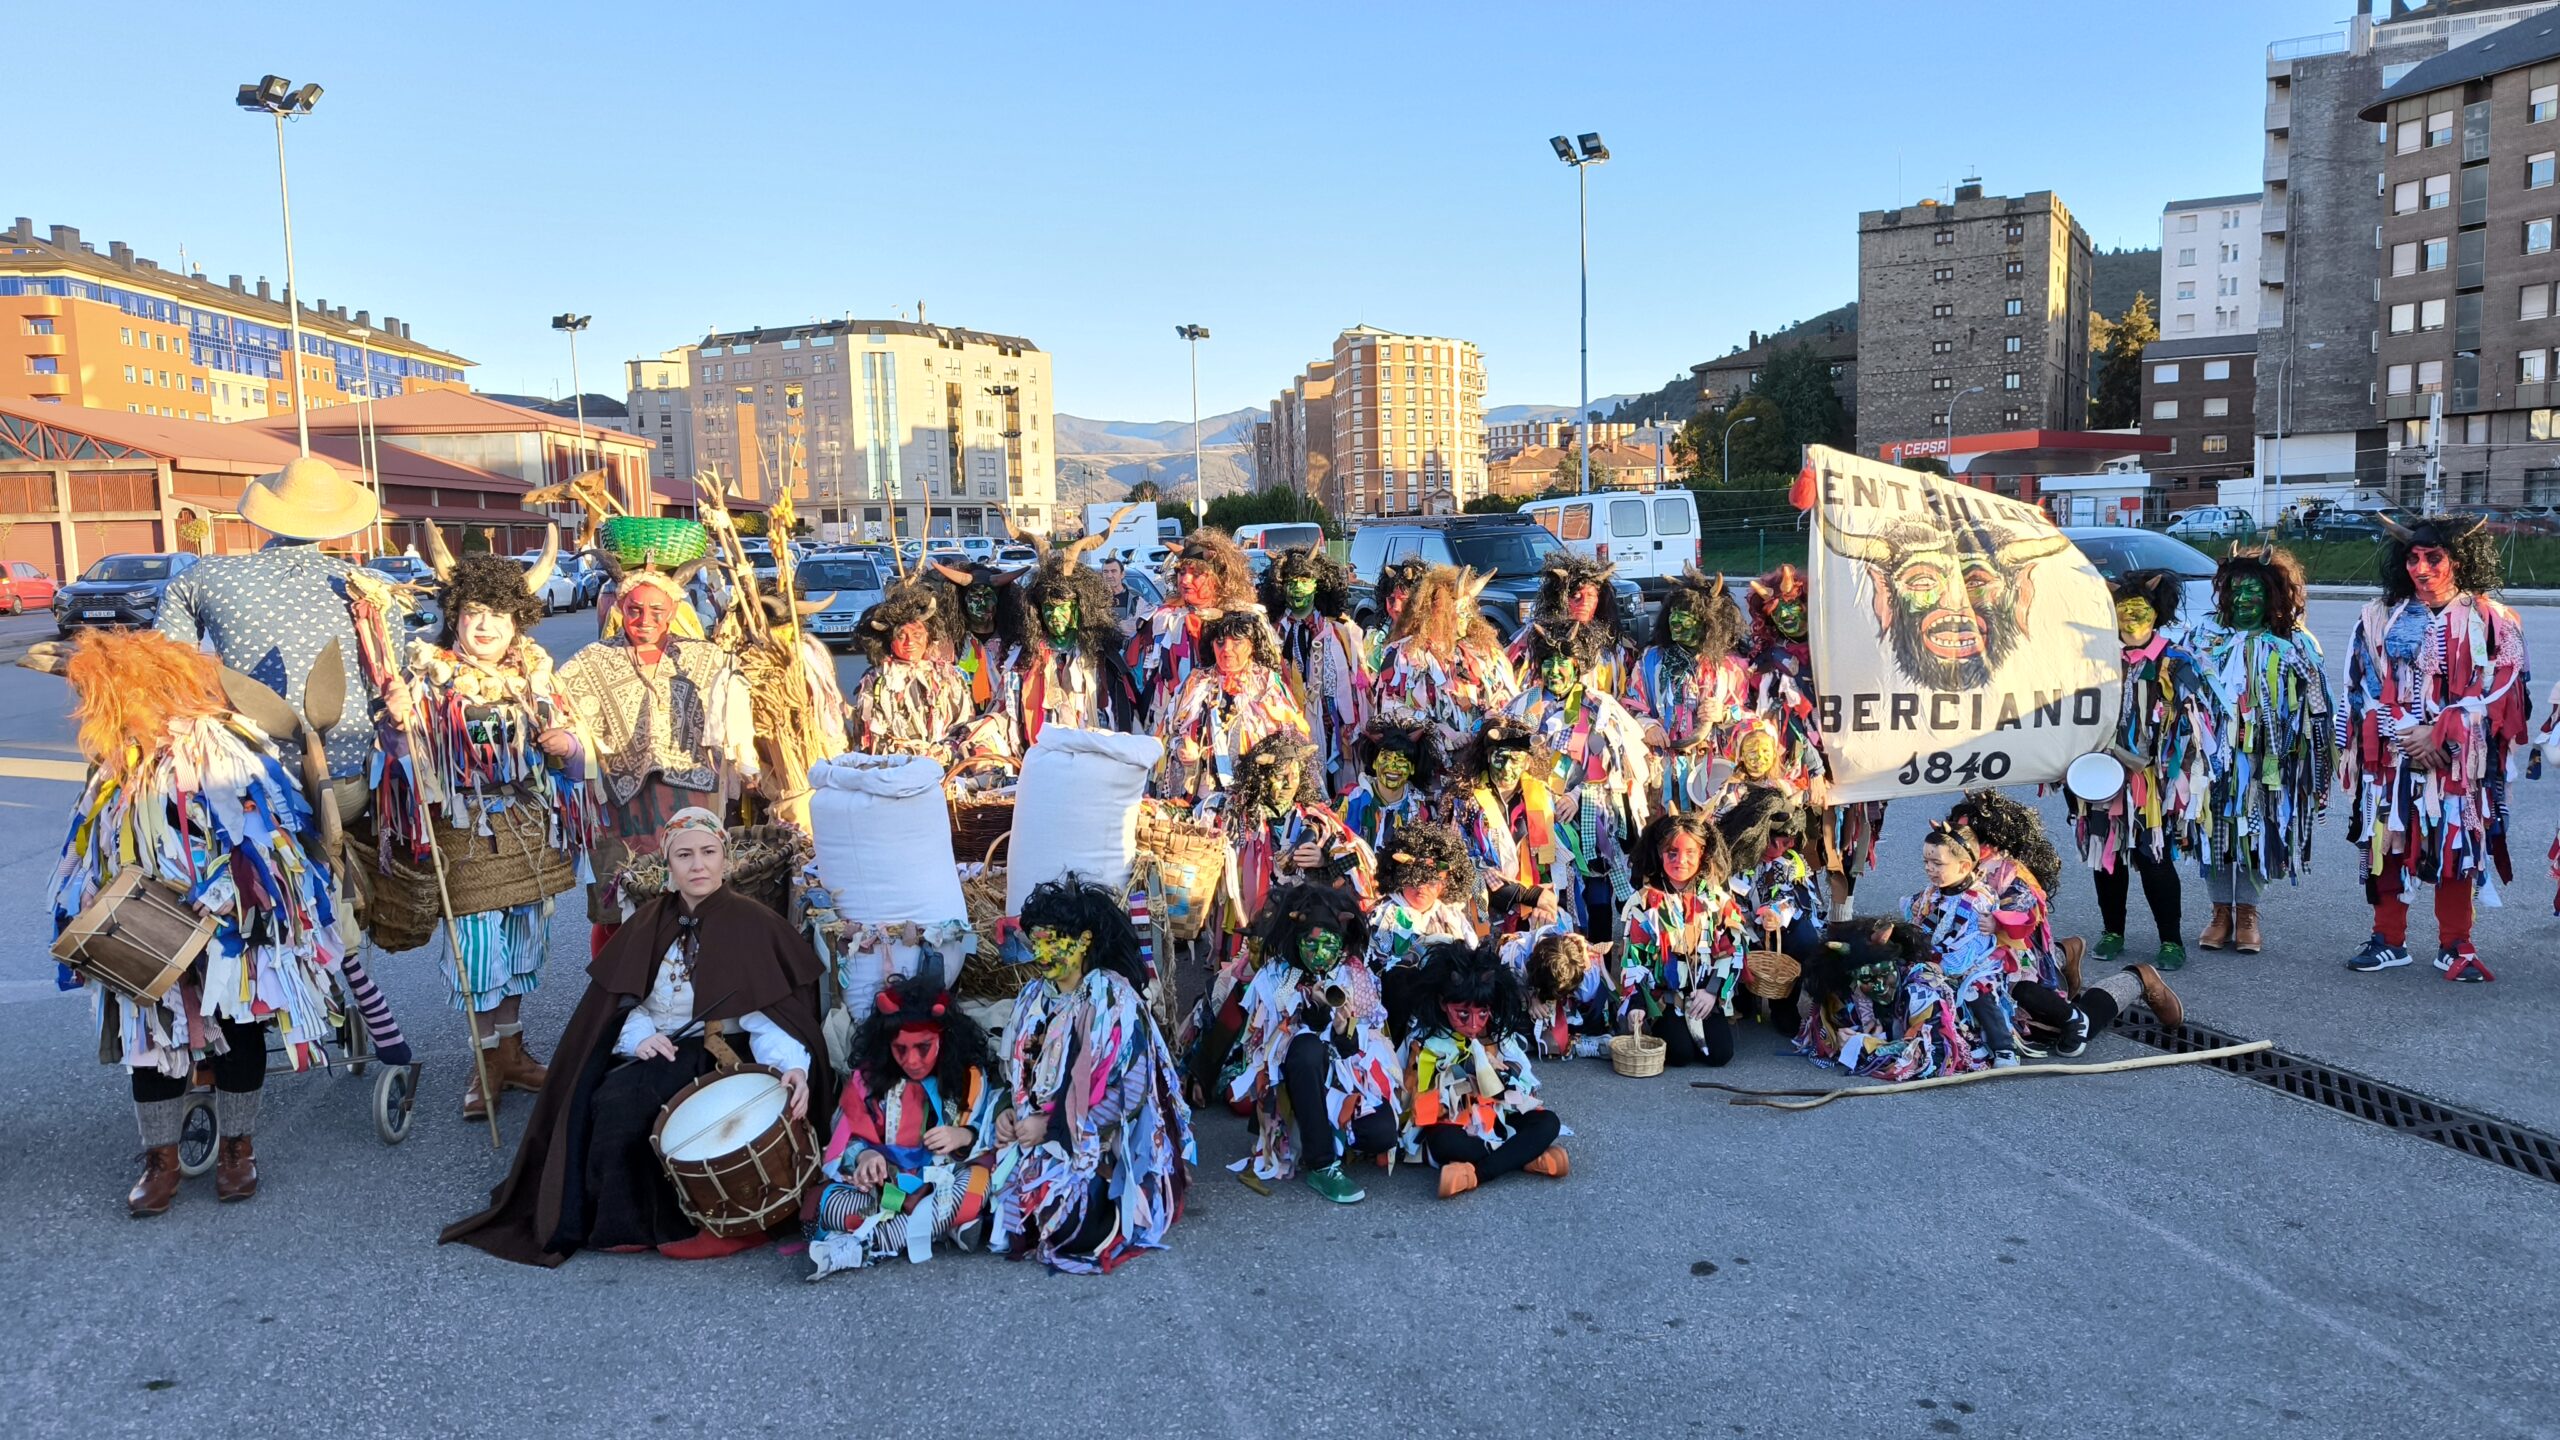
1726,445
1593,153
1199,485
275,95
1951,423
368,448
570,324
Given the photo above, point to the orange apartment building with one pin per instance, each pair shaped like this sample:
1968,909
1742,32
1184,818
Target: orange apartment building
114,331
1401,431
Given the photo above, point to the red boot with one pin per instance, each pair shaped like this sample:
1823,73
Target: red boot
707,1246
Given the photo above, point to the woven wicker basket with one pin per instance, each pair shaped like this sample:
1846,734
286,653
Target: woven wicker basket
985,975
1191,859
515,865
1769,974
764,866
979,818
1636,1054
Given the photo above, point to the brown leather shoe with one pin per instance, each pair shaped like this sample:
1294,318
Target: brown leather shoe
2072,948
2217,931
235,1170
475,1106
516,1069
157,1190
2244,930
2164,1002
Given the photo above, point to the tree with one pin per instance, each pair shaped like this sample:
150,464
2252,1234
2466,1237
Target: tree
1797,380
1566,478
1490,503
1145,490
2116,398
1277,506
1758,446
1177,510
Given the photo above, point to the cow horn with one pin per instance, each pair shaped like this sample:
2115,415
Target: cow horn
1470,586
1855,545
540,574
1078,550
957,577
2028,548
814,603
439,559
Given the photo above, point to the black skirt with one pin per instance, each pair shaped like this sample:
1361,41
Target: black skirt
629,1200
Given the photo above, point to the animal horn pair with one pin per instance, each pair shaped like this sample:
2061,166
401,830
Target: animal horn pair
1079,549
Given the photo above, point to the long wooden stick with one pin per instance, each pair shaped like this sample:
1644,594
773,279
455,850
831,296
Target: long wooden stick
1768,1099
470,1017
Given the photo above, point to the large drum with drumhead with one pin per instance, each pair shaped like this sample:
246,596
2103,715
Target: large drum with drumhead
737,1159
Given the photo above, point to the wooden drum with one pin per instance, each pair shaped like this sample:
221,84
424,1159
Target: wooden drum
737,1160
136,938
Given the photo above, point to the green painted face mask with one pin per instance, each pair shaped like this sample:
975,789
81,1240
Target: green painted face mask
2249,602
1560,675
1685,628
1506,767
1058,617
1391,772
1789,617
1319,951
1302,594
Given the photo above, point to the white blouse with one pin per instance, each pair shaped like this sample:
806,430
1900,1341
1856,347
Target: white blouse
668,1008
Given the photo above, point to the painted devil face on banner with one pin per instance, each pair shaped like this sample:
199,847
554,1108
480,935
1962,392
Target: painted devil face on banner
1952,598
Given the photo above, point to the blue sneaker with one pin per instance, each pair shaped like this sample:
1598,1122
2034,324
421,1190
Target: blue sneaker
2379,954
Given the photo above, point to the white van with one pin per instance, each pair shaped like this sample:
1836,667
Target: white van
1276,538
1651,536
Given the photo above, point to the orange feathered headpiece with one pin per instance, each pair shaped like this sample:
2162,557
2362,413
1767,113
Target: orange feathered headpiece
130,684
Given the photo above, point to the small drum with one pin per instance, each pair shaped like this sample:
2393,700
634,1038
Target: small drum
136,938
2095,778
737,1161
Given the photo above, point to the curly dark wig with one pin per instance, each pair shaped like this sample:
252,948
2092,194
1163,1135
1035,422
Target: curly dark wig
1423,852
494,581
1073,905
1308,562
912,1000
956,581
1246,621
1565,572
1557,963
1217,550
1999,822
1764,816
1720,626
1585,643
1399,577
907,602
1498,732
2477,567
1416,740
1784,583
1300,908
1714,864
2162,588
1880,949
2277,571
1061,576
1454,972
1278,752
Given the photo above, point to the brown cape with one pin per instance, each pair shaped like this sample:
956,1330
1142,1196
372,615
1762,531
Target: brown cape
750,960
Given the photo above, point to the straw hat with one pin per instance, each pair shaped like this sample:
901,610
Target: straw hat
307,500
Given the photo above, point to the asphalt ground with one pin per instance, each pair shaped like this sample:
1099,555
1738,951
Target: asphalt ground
2169,1253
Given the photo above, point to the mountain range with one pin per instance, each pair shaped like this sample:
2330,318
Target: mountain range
1098,460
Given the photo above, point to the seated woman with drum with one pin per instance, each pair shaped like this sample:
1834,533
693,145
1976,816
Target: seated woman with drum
689,965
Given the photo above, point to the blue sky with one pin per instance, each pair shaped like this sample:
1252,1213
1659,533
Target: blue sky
1089,175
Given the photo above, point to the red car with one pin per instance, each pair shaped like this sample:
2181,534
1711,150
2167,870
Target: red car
26,587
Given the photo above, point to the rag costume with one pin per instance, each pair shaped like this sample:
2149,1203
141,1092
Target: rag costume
1399,765
1691,688
1323,656
1216,716
1679,940
2166,727
1210,579
1597,768
584,1172
1470,1094
2277,748
1503,809
1782,693
1312,1060
1065,664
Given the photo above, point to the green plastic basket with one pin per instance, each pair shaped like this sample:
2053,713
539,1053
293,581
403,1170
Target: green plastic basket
653,541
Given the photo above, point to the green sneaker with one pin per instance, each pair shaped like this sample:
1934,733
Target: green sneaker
2110,945
1335,1186
2172,956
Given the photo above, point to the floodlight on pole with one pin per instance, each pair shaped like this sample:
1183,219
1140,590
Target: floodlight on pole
1199,484
274,95
1593,153
570,324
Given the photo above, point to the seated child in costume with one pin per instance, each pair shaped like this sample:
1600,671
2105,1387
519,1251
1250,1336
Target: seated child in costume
1471,1099
1851,989
1781,893
1102,1136
1573,999
1956,1007
1505,812
1399,781
1426,866
1314,1038
1681,941
911,1159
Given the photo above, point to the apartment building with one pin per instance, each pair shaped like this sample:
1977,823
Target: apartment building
113,331
935,429
660,400
2209,267
1725,380
2199,392
1978,307
2319,420
1615,465
1509,438
1407,420
2471,261
1302,434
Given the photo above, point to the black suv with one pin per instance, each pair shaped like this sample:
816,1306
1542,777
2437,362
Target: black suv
118,590
1513,547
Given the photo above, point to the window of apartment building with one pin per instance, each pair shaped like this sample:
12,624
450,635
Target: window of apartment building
2217,369
2537,236
2010,381
2533,367
2186,289
2439,191
2014,307
40,325
2404,197
1942,382
2217,407
2215,444
2012,417
2187,257
124,335
2016,231
2545,103
2230,219
2164,374
2011,344
1941,312
1939,418
1941,347
2430,314
2430,377
2410,135
2475,429
2538,169
1942,275
44,364
2404,258
2186,223
128,374
2533,302
2440,128
2017,267
1943,237
2435,253
2186,322
2542,424
2164,409
2397,379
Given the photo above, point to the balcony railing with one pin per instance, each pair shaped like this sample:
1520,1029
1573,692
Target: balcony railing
2333,43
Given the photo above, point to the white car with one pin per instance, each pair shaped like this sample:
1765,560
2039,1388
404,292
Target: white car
560,592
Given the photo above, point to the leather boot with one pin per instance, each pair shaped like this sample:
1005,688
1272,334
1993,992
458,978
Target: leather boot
235,1169
2244,930
515,1068
2072,947
157,1190
475,1103
2217,931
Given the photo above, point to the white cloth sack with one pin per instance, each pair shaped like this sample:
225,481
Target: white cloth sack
1077,809
883,833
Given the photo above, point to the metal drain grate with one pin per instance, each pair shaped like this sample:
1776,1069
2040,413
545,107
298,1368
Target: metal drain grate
2474,1134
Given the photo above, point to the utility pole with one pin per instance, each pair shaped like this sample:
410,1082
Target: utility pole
2434,504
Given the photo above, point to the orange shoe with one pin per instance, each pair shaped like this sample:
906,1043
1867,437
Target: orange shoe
1456,1179
707,1246
1550,1163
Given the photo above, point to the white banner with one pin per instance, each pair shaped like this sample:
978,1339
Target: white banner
1958,638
